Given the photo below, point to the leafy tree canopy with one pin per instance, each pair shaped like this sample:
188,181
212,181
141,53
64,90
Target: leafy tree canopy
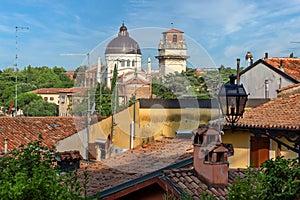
39,107
25,99
191,83
29,173
28,79
103,100
278,179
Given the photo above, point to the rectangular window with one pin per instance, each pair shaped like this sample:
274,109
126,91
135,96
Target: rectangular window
174,38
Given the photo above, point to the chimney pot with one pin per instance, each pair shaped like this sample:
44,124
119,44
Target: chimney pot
266,55
210,159
5,145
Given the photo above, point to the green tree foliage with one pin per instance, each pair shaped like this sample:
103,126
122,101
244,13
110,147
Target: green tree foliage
160,90
29,173
214,78
197,82
25,99
103,100
180,85
28,79
278,179
65,81
114,90
40,108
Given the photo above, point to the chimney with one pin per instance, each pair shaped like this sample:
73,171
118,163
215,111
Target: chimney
266,89
210,157
281,65
266,55
249,58
238,70
69,160
5,145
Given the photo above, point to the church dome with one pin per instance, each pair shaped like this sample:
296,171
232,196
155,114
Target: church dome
123,44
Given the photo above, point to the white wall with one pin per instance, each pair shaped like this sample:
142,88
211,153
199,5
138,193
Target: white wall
76,141
254,81
116,59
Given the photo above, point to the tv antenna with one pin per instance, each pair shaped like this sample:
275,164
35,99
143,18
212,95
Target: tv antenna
16,65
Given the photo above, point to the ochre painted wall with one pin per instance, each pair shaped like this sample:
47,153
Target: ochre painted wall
241,144
154,123
151,124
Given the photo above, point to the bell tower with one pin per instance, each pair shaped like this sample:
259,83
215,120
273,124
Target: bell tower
172,52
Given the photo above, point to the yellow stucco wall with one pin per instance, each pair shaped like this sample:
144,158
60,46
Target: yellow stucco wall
154,123
241,144
151,124
54,96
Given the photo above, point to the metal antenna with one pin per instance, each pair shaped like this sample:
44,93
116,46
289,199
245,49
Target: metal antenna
16,64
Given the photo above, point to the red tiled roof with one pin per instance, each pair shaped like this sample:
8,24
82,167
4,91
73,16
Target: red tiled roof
21,130
283,113
291,66
289,87
60,90
70,155
173,30
188,181
135,163
47,91
73,90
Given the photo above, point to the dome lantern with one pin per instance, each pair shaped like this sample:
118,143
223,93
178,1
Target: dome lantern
123,44
123,31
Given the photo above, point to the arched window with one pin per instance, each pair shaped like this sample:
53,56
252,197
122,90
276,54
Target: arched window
128,63
123,63
133,63
174,38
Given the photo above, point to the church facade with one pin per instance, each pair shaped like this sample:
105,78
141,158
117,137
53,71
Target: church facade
125,53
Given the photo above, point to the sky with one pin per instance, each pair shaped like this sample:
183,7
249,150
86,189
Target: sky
216,31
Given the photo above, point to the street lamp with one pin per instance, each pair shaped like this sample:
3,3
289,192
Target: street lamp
232,99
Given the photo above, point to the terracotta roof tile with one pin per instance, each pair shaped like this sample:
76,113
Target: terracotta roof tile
135,163
289,87
47,91
21,130
281,113
70,155
173,30
73,90
291,66
197,187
